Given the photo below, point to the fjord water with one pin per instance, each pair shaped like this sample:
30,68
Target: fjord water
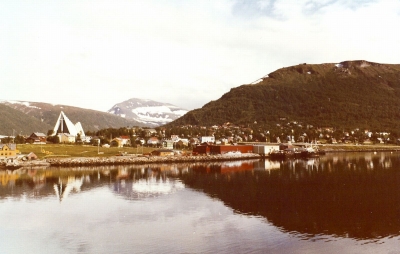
343,202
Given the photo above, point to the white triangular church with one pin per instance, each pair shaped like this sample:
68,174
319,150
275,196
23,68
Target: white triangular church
64,125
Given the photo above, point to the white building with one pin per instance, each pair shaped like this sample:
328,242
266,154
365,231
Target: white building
207,139
65,126
66,138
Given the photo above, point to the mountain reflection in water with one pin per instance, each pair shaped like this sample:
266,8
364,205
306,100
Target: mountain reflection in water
352,195
145,183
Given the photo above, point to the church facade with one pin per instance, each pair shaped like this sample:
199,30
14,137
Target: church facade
66,131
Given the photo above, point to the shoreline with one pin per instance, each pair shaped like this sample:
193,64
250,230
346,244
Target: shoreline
141,159
126,160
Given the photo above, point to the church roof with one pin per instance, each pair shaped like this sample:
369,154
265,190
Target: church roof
64,125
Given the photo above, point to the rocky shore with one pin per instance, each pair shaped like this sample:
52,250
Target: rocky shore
120,160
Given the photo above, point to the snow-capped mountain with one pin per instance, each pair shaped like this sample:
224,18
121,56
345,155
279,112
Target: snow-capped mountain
149,112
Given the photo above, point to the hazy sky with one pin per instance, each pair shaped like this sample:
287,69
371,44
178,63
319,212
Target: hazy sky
94,54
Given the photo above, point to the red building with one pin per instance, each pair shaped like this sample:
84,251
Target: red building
201,149
221,149
36,138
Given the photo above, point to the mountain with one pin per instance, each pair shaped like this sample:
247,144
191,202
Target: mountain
350,94
15,122
28,117
148,112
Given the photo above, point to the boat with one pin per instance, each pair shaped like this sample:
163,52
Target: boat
282,154
309,152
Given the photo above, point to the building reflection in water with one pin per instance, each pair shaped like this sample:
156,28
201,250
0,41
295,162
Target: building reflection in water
66,185
354,195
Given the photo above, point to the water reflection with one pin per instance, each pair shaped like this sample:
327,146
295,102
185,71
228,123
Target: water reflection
349,195
352,195
131,182
145,183
66,185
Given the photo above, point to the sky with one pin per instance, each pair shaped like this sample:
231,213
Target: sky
95,54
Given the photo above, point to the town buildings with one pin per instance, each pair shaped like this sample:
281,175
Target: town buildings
8,152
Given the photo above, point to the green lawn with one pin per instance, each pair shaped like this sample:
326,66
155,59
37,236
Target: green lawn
65,150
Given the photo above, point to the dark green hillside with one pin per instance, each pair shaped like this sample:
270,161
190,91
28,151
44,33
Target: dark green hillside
12,119
352,94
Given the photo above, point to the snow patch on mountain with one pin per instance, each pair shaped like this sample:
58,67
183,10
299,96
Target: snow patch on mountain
149,112
24,103
152,110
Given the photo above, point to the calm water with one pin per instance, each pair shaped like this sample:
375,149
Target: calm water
348,203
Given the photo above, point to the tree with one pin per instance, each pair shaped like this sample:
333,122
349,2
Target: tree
6,140
53,139
19,139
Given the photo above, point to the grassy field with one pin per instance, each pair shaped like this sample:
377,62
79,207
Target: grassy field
64,150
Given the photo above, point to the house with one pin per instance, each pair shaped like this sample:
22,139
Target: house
175,138
182,143
31,156
207,139
162,152
126,140
66,138
168,144
86,139
121,141
8,152
36,138
116,142
153,141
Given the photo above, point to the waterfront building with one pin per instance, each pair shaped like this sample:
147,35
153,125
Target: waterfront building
8,152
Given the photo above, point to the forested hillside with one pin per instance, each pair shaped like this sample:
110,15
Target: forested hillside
352,94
